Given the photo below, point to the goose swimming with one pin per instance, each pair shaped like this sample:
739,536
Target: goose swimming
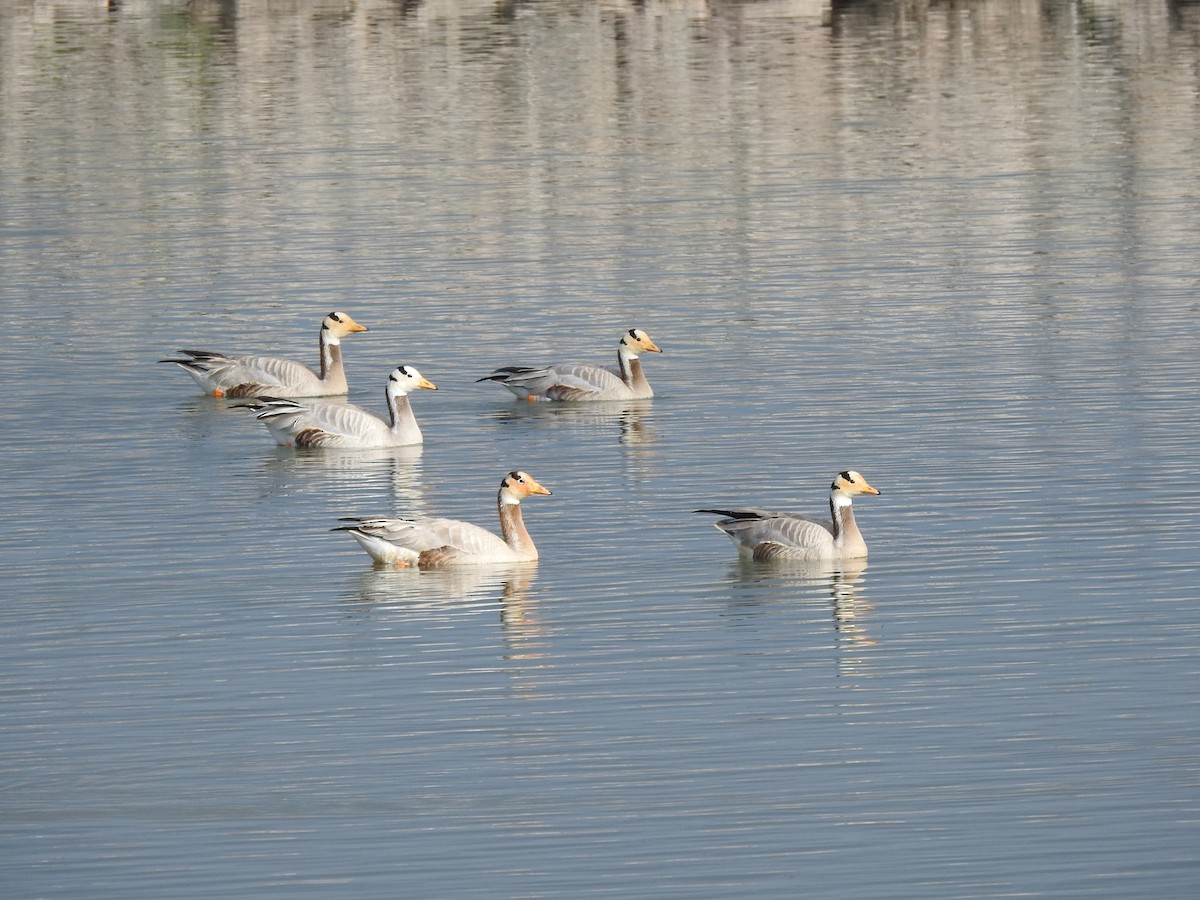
322,423
764,535
429,542
566,381
270,376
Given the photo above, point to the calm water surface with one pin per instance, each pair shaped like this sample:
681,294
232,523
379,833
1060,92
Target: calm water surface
952,246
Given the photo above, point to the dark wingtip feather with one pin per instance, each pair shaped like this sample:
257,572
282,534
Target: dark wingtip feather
735,513
505,372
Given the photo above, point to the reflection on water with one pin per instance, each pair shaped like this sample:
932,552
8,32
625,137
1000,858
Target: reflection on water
631,420
447,594
448,588
787,581
344,472
851,606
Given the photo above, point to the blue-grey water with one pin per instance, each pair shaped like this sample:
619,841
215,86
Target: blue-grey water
951,245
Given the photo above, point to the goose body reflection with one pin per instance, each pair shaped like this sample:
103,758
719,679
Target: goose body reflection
566,381
354,476
430,542
631,419
318,423
448,589
765,536
761,586
271,376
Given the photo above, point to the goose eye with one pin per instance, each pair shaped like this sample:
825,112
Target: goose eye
335,317
846,475
633,333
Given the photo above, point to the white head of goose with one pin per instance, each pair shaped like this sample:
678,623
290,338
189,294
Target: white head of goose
321,423
270,376
765,535
577,381
431,543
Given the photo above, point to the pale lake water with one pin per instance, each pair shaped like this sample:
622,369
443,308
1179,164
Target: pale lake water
952,245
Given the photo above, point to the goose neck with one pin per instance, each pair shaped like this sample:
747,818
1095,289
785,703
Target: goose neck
846,535
331,357
630,366
512,528
626,362
403,421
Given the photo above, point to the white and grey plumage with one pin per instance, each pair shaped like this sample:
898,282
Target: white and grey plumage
321,423
430,543
765,535
271,376
566,381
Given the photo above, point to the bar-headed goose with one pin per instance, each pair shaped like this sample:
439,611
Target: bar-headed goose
427,542
271,376
322,423
764,535
565,381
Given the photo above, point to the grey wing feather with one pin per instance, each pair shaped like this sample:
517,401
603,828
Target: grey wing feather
770,550
408,533
326,420
268,372
565,381
342,418
255,375
772,535
792,532
467,539
590,379
421,535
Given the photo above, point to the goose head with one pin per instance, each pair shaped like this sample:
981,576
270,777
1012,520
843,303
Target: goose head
635,342
406,379
847,485
337,325
516,486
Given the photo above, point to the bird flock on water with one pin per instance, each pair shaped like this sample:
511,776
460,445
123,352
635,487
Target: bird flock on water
286,396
